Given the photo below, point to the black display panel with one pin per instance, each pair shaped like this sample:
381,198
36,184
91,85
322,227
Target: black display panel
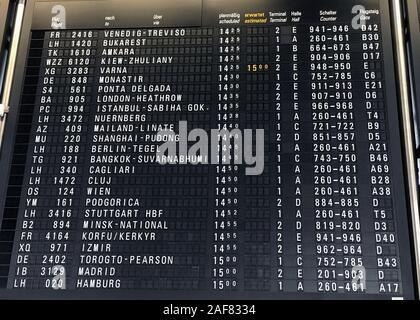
311,205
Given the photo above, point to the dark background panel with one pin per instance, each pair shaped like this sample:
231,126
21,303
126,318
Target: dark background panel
212,8
118,13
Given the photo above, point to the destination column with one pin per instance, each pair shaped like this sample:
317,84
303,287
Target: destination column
144,212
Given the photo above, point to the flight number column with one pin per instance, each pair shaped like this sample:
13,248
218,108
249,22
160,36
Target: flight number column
69,141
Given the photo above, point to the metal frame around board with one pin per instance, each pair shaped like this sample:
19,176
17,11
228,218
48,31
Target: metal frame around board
396,28
412,8
413,21
407,126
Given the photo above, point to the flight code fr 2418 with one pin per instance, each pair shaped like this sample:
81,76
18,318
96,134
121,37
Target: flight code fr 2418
209,310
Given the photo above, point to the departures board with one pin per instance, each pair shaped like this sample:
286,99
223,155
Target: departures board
205,150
